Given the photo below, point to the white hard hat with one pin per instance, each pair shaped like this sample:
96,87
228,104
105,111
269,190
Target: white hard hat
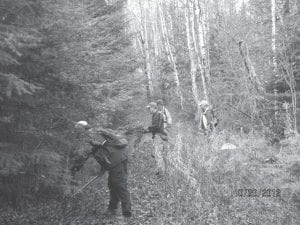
81,123
204,102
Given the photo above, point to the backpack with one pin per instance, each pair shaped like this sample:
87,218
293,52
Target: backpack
114,139
167,117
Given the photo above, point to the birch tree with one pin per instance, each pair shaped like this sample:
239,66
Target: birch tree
193,68
203,29
201,53
273,12
253,78
170,52
146,51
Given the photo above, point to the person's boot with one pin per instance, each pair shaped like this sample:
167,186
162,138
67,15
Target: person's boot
111,212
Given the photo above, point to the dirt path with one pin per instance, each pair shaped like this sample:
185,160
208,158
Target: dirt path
145,187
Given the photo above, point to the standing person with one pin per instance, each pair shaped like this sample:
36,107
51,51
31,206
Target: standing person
208,120
157,124
157,127
109,150
166,114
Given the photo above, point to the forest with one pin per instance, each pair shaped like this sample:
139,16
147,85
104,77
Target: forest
104,61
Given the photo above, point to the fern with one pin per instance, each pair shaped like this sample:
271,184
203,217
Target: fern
16,84
6,59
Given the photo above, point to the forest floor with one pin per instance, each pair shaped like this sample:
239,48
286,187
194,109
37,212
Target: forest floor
158,199
170,199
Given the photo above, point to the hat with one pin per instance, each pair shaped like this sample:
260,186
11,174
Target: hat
203,102
81,123
152,105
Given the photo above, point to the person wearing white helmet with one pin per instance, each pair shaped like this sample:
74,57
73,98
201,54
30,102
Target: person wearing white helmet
81,123
204,103
109,150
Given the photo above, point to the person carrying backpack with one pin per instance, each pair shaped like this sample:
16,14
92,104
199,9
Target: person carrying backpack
157,127
208,120
109,149
157,123
166,114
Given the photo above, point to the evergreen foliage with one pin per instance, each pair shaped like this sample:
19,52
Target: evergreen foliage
52,74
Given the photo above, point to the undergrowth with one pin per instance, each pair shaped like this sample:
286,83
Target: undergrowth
200,185
204,180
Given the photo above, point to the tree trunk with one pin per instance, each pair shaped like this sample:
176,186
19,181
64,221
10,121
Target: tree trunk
249,67
145,46
273,12
191,56
170,53
286,7
155,40
203,22
199,54
290,80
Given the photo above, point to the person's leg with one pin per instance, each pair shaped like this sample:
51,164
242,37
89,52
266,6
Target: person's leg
125,200
114,198
158,147
124,193
121,187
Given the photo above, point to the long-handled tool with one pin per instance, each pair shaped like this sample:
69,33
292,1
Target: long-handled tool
89,182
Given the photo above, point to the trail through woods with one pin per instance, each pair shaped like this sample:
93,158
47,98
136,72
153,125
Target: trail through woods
148,191
93,73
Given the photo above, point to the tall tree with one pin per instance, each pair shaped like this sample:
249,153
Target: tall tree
286,7
170,53
200,46
193,68
146,51
273,15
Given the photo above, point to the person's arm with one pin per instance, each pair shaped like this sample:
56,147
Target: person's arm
157,123
78,159
95,138
108,137
97,143
101,154
160,121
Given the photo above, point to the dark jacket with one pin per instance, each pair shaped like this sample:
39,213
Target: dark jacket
157,124
108,153
108,146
